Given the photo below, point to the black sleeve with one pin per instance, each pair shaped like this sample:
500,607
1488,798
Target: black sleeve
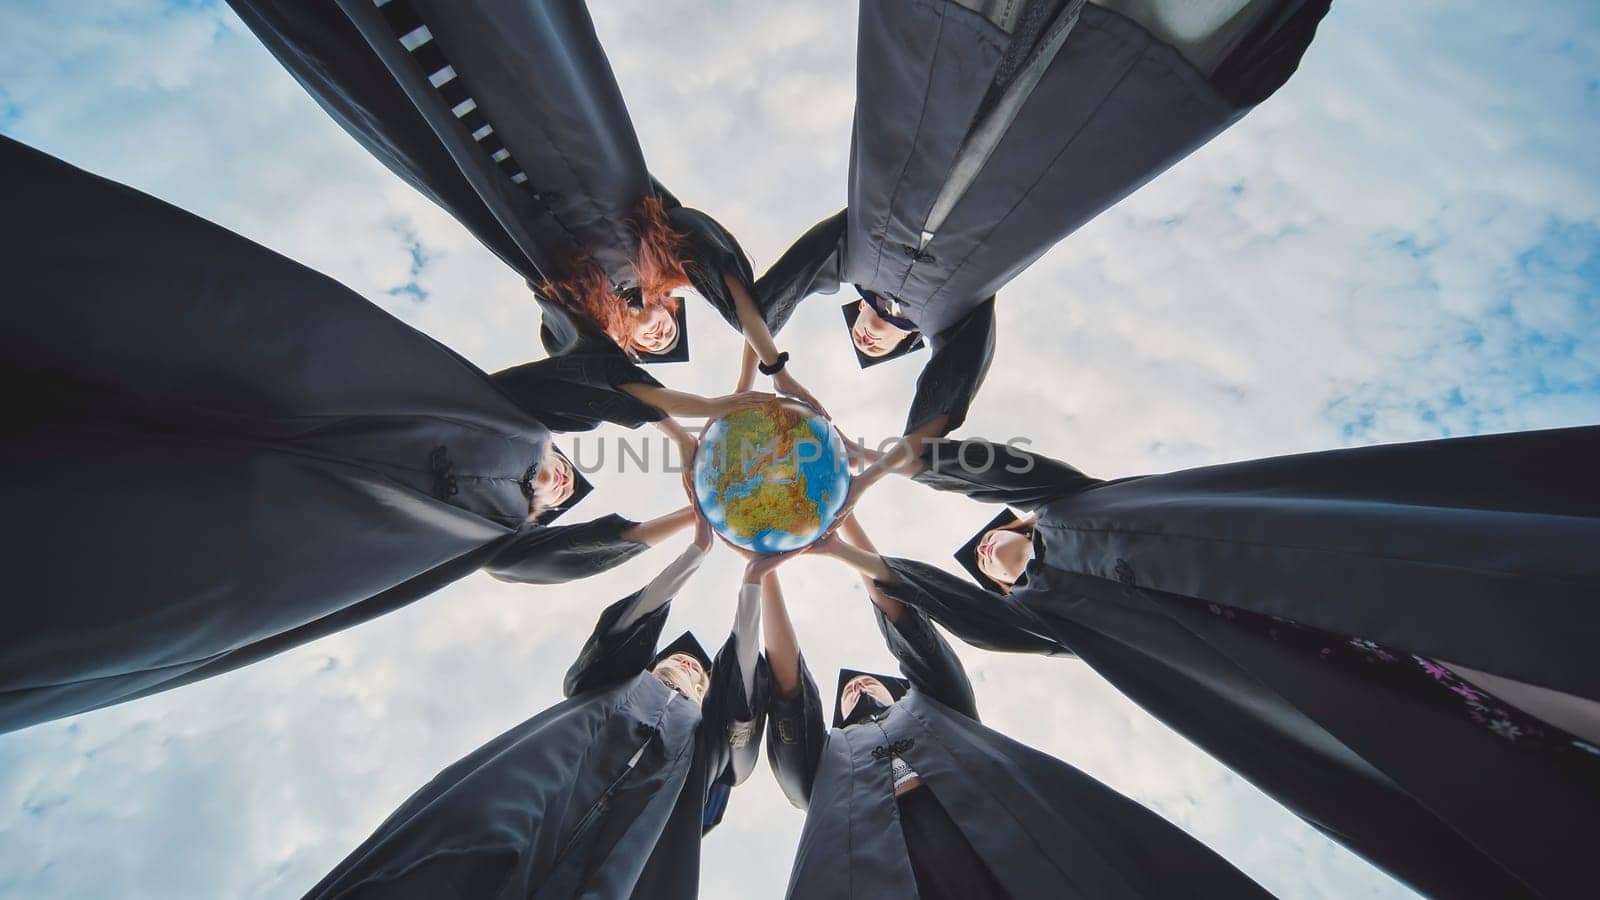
794,747
669,200
961,357
729,740
564,332
556,554
812,265
577,391
998,473
927,660
984,620
608,659
329,52
713,252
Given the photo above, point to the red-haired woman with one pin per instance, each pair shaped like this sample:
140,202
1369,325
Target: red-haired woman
509,117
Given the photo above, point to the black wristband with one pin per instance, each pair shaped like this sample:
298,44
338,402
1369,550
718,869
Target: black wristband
775,368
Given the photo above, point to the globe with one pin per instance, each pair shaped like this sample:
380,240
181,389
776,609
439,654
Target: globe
771,478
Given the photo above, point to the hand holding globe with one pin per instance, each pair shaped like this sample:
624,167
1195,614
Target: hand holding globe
771,478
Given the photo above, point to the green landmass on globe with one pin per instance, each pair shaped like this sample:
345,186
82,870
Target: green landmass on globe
771,478
779,501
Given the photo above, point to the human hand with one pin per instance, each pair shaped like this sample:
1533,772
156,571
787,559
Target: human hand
785,383
860,455
688,487
828,544
703,536
727,404
761,564
687,448
859,486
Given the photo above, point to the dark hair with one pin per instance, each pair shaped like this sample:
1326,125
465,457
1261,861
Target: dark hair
908,344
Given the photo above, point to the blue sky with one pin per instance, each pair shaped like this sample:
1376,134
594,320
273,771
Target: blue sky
1403,244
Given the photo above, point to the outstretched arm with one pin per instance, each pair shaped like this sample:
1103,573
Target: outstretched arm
925,657
751,323
734,713
855,535
625,637
869,564
984,620
794,708
901,459
759,339
660,528
556,554
782,645
996,473
661,589
685,405
747,369
810,266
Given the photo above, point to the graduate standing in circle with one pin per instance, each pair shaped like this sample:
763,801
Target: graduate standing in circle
987,132
219,454
605,794
509,117
909,796
1392,641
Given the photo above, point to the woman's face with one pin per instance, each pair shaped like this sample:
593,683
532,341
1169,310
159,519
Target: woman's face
656,330
554,482
862,684
872,335
684,674
1003,554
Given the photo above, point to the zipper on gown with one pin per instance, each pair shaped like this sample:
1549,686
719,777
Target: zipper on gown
572,862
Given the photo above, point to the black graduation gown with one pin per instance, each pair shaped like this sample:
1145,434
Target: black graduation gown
939,218
1041,827
533,74
558,173
1289,616
554,808
712,253
220,454
586,368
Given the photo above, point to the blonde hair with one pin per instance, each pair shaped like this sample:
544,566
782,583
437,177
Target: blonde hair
703,682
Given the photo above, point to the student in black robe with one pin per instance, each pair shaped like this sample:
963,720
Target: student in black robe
510,118
1392,641
986,132
215,454
908,795
606,794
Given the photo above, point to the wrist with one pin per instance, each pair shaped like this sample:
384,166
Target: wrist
776,366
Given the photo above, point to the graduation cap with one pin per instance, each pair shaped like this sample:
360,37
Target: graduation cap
679,351
684,644
968,554
897,688
581,487
909,344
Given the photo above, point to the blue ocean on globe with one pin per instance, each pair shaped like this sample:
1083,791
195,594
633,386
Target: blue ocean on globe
772,478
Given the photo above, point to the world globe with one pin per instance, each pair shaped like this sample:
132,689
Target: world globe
771,478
